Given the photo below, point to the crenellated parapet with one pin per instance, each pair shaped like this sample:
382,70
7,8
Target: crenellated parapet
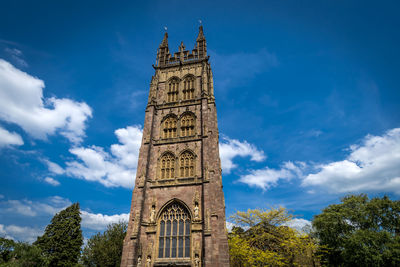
183,56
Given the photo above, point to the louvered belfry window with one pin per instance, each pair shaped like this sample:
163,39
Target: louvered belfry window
167,166
188,88
169,130
173,90
174,235
186,164
187,125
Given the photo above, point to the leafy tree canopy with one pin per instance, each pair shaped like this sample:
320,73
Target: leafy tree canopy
105,249
20,254
62,240
263,240
360,231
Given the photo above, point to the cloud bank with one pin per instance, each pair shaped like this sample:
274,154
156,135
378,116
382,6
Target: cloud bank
231,148
30,211
373,165
22,103
7,138
114,169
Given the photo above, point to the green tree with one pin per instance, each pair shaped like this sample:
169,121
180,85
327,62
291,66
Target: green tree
263,240
6,249
20,254
360,231
62,240
105,249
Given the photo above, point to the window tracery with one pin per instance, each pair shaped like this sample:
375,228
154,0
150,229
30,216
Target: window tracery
173,90
167,166
188,88
187,122
169,127
186,167
174,232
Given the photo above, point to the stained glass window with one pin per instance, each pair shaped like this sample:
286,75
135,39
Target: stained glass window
174,233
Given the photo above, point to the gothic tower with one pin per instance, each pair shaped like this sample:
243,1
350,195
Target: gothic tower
177,215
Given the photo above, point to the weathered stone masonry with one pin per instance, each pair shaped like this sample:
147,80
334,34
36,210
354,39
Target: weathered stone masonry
177,215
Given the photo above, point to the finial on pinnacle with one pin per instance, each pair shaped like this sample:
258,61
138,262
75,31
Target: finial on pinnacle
200,21
164,42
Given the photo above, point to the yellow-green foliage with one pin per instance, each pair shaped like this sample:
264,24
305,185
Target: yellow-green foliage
263,240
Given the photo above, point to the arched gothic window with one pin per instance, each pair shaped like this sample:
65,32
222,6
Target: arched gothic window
187,125
188,88
186,167
169,129
174,232
173,89
167,166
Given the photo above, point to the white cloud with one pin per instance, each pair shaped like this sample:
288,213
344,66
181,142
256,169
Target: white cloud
16,55
30,208
111,170
7,138
267,177
21,207
229,226
372,166
47,208
22,103
54,167
20,233
299,224
100,221
51,181
231,148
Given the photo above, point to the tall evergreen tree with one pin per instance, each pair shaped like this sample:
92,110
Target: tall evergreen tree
62,240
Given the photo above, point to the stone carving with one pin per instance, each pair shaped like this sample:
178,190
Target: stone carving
148,261
153,214
197,262
139,261
196,211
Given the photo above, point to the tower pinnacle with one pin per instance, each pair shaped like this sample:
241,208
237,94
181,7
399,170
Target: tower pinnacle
164,42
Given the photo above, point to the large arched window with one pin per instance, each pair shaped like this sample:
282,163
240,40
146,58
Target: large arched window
174,232
187,125
173,89
169,127
167,166
186,164
188,88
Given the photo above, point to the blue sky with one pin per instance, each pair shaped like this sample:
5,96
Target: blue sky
307,97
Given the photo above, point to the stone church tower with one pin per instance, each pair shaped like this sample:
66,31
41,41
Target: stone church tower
177,215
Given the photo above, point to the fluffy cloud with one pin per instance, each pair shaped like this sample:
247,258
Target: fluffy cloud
117,168
374,165
20,233
100,221
54,167
7,138
231,148
299,224
30,208
43,211
51,181
22,103
267,177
